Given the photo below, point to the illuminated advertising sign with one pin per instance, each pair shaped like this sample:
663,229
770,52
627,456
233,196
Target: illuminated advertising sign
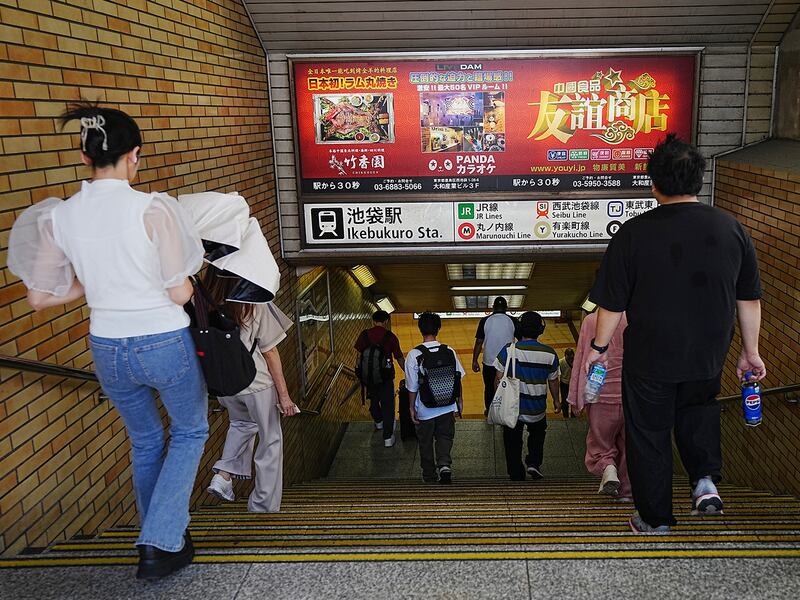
384,127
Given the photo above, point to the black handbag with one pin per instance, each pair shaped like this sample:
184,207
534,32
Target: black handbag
228,366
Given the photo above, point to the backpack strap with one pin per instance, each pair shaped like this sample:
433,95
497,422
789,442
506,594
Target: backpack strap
255,344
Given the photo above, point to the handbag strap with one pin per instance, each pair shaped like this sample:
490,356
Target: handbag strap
512,359
203,304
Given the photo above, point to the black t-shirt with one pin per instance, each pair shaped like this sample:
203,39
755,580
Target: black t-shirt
678,271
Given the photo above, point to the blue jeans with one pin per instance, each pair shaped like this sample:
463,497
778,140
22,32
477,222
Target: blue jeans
130,369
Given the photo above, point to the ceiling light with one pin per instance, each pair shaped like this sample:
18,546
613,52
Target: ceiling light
384,303
546,314
479,302
588,305
486,288
489,271
363,275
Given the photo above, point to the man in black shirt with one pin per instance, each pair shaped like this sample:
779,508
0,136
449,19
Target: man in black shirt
682,272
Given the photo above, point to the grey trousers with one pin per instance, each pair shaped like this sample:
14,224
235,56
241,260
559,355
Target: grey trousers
442,429
251,414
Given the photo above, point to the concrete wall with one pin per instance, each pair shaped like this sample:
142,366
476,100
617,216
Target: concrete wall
787,114
767,201
193,75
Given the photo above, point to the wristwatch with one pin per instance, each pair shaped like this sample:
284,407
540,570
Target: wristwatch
600,349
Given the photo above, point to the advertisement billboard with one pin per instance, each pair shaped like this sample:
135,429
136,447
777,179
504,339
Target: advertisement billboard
497,125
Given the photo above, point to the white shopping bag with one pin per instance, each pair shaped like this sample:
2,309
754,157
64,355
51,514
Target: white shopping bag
504,409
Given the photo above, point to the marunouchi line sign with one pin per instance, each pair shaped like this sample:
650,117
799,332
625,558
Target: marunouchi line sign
506,128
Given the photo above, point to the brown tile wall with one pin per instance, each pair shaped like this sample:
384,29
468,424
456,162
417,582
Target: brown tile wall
193,75
767,202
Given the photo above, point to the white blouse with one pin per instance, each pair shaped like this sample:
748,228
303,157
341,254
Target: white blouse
126,248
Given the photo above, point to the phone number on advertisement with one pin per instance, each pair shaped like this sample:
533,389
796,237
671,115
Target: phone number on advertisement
396,187
597,183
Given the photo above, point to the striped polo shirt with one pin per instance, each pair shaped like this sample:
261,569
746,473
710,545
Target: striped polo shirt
536,364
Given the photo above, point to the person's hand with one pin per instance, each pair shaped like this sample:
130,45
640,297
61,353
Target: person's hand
460,406
476,368
556,406
593,356
288,408
413,411
751,362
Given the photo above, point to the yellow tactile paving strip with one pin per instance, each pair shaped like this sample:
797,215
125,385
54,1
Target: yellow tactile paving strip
471,520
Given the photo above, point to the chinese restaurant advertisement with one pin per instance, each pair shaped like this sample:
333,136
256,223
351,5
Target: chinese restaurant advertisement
388,128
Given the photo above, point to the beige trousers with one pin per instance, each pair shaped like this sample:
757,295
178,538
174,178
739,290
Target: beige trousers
251,414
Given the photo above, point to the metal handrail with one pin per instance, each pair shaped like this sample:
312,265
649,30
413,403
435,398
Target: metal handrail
45,368
770,392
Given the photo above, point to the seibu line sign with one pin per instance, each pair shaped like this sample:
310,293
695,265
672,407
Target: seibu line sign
393,127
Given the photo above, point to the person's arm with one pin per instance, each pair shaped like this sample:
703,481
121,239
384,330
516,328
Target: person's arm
398,354
497,379
555,392
607,323
412,407
749,313
285,404
476,352
182,293
41,300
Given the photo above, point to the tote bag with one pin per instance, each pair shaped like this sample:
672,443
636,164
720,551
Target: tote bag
228,366
504,409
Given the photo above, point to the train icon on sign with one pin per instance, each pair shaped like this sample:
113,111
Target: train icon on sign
327,223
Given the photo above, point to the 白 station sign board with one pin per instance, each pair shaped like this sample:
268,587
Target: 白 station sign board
513,129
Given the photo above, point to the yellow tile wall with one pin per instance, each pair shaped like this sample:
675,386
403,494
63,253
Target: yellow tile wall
193,75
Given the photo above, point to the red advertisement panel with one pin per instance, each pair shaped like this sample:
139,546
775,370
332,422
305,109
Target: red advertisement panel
487,125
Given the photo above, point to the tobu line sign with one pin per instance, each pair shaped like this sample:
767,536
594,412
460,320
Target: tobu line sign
393,127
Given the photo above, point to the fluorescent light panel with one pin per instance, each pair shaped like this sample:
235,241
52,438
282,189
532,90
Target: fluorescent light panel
486,288
363,275
547,314
385,304
489,271
588,305
479,302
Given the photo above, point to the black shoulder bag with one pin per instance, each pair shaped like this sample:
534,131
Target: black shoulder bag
228,366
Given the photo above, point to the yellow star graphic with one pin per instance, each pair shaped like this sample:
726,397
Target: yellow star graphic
613,77
598,75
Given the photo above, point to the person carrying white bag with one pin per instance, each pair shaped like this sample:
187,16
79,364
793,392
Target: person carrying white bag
535,368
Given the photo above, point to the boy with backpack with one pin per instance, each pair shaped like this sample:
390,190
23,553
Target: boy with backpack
433,379
376,347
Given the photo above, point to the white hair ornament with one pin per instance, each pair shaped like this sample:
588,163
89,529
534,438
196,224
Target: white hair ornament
97,123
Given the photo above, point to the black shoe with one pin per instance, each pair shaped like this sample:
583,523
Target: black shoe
155,563
445,475
534,472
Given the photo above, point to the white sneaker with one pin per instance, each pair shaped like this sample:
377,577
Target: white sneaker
705,498
609,484
388,443
221,488
378,425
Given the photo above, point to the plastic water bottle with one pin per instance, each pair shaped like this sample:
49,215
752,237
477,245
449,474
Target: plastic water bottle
751,401
597,376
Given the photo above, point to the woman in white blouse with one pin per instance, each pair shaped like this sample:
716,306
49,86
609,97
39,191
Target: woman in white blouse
129,253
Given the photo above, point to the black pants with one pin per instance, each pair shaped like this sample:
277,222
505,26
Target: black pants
441,430
565,406
489,375
381,406
512,441
652,410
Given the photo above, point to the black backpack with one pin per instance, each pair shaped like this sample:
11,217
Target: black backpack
374,366
228,366
439,379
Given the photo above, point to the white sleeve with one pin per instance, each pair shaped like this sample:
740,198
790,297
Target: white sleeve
412,371
458,364
33,254
175,236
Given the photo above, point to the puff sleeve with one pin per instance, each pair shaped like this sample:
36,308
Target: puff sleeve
33,254
175,236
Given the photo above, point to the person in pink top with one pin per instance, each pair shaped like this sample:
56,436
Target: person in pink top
605,442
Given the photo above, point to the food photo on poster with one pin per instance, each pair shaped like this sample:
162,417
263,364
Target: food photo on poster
505,124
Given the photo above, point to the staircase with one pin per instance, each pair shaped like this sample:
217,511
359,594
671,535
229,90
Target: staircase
473,519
